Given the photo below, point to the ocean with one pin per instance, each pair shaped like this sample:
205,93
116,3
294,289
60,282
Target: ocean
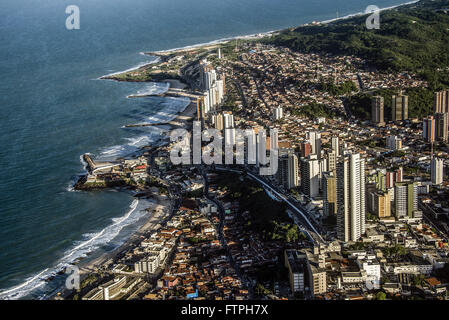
53,109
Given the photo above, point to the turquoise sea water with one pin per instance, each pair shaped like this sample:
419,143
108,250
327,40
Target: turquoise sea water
53,109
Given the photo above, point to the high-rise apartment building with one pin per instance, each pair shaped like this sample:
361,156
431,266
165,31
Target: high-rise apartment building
218,121
293,169
399,107
282,173
405,199
441,102
314,139
381,179
441,126
382,204
306,149
394,143
228,120
288,169
390,179
277,113
296,263
377,110
330,193
310,176
331,161
399,174
351,197
336,146
428,131
437,170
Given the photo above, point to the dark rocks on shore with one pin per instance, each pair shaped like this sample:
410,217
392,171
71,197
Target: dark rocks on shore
83,185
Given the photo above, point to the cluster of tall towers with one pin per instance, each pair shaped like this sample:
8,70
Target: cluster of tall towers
387,194
338,176
399,109
435,127
213,86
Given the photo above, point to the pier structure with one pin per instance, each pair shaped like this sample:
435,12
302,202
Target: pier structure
94,166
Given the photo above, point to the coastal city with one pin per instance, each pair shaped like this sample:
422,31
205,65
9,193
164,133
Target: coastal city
232,159
357,209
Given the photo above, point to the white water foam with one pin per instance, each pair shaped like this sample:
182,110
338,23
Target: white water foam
132,146
71,186
364,13
269,33
153,88
82,248
140,65
95,240
169,111
172,106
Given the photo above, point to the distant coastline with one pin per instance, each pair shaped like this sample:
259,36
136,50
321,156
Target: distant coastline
190,109
162,55
188,113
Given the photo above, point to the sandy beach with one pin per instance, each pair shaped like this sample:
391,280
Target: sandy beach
158,211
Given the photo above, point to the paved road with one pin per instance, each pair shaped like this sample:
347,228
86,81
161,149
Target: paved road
285,199
222,239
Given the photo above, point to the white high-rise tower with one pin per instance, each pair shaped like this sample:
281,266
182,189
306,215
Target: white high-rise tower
436,170
336,146
351,198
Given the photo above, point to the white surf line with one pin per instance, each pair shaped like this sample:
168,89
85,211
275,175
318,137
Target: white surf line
3,293
132,207
65,260
138,66
267,33
362,13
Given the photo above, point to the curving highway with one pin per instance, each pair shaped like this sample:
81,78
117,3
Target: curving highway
282,197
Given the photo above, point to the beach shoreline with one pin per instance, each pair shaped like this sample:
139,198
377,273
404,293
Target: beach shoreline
184,116
163,55
158,211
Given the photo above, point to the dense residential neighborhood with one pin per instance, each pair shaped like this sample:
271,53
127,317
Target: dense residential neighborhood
357,208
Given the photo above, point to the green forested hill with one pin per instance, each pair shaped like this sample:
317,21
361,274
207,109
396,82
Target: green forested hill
411,38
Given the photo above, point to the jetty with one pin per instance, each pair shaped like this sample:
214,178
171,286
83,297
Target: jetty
94,166
172,92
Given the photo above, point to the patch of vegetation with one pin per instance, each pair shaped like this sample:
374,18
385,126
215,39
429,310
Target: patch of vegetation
380,296
412,38
372,143
268,217
154,182
420,102
145,75
397,154
313,110
394,252
89,280
198,193
344,88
